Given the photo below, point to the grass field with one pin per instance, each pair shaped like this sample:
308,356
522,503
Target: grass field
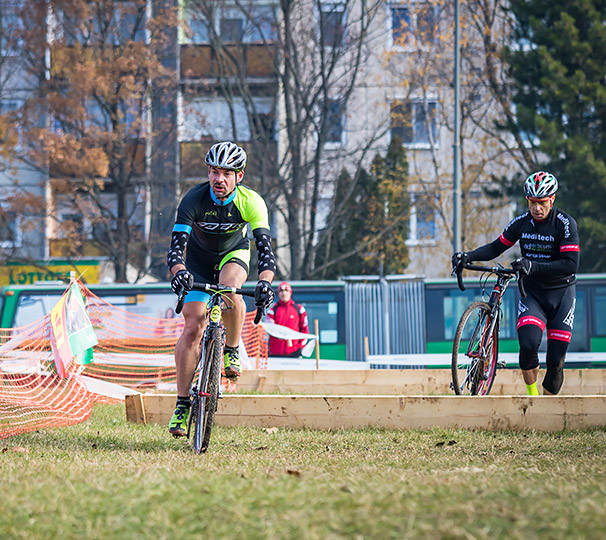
106,478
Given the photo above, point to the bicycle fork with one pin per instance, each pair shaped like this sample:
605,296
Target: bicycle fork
479,347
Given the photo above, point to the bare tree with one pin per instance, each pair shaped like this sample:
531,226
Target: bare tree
317,53
488,152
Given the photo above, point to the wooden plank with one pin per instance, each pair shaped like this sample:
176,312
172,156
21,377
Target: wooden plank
545,413
404,381
150,408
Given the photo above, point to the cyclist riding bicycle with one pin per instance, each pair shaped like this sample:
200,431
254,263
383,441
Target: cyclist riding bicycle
212,221
549,243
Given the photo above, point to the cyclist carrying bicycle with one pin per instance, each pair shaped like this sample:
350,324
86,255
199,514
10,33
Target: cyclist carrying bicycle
549,243
212,221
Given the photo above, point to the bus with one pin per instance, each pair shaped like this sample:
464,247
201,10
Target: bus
342,322
324,301
444,303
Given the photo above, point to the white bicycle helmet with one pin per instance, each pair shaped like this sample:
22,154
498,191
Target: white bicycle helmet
540,184
226,155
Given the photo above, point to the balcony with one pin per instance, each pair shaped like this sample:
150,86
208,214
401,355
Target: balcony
251,59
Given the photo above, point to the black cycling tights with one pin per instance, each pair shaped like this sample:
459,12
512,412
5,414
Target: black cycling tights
529,336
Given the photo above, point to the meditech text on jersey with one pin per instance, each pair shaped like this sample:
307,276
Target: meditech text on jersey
566,223
536,236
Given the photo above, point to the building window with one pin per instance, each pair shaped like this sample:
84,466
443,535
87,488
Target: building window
335,121
231,29
418,24
332,24
197,27
10,232
129,21
212,118
10,26
401,27
123,23
414,122
422,219
257,24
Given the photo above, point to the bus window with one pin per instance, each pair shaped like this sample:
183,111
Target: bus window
600,308
325,308
580,333
32,307
327,315
150,304
445,305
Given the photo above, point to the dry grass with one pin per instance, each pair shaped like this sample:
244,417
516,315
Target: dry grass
106,478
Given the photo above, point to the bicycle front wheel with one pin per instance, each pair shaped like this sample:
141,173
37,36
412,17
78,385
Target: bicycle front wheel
474,351
208,391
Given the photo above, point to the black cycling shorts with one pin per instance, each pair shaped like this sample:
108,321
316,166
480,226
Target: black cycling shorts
551,309
212,268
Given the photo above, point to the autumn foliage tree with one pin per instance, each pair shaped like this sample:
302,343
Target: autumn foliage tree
316,51
87,122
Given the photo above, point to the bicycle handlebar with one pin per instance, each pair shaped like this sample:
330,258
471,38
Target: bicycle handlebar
207,287
499,270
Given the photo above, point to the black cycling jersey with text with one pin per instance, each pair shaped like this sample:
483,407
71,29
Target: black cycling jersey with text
552,245
211,228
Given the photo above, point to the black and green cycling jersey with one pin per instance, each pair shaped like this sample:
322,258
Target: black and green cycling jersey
211,229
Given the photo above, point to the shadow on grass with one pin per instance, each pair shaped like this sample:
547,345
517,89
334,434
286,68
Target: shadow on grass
106,430
68,440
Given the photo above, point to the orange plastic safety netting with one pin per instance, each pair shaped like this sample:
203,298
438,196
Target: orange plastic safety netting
32,394
136,351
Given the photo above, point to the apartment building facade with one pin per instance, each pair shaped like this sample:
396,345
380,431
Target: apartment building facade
326,94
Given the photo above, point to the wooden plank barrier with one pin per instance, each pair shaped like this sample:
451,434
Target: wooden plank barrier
404,381
545,413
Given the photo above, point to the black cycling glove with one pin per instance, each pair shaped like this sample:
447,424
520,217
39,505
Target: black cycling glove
264,294
182,280
460,259
522,266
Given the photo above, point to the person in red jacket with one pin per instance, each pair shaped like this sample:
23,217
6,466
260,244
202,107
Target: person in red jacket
286,313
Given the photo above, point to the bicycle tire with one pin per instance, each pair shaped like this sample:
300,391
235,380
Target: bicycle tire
473,371
208,392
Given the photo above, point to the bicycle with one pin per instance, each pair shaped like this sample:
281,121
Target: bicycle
475,349
205,392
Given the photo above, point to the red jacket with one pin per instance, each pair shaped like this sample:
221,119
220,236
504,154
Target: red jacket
292,316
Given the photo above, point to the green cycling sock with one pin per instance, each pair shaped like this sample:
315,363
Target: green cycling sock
532,390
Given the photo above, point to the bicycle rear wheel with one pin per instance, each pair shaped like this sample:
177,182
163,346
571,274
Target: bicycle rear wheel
474,351
208,391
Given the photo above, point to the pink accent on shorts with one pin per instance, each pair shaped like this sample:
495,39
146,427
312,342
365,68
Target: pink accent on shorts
560,335
529,319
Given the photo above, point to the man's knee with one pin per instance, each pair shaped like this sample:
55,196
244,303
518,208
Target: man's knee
529,337
554,378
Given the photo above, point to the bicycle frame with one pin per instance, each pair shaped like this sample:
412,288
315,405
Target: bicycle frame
206,391
482,347
214,321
